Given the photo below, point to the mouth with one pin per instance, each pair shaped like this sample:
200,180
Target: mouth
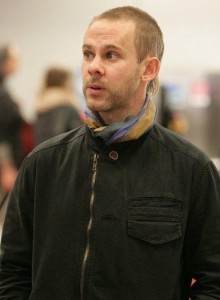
95,89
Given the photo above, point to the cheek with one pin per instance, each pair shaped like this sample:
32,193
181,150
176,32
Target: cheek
122,77
116,75
124,70
84,73
84,68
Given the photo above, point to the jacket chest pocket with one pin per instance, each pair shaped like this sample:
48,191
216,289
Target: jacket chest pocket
155,220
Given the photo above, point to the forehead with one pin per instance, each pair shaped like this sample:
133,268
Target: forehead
108,31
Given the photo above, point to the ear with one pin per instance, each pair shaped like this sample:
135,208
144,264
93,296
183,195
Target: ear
151,67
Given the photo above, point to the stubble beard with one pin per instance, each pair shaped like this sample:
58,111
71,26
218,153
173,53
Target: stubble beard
115,99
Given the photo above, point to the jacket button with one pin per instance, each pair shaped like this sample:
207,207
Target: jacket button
113,155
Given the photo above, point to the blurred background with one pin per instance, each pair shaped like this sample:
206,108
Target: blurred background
50,32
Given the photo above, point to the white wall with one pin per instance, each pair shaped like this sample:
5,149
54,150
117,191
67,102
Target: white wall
51,31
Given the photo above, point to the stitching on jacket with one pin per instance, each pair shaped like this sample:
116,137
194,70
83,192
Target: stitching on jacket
60,142
203,162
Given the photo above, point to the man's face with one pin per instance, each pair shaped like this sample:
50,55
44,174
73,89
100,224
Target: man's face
111,73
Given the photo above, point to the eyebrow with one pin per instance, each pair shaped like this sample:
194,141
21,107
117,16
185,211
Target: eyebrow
106,47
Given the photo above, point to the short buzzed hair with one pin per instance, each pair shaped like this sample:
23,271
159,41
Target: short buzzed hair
148,35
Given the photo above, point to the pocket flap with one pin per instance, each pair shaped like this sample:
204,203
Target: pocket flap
155,232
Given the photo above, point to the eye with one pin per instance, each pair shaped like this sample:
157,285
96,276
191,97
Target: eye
111,55
87,54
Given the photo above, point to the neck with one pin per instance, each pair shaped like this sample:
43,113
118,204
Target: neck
120,115
113,117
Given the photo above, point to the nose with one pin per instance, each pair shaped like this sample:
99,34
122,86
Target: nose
96,66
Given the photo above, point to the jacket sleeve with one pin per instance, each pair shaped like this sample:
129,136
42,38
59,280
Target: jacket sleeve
203,236
16,243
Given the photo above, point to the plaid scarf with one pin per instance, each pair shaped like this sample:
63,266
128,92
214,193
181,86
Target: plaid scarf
131,129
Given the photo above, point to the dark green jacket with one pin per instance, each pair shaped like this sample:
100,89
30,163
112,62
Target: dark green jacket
134,221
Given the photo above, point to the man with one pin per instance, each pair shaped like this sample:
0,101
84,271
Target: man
120,209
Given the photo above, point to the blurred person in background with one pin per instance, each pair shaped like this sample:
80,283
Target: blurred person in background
11,120
169,117
56,105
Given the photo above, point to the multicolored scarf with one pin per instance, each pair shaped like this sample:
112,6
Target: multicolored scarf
131,129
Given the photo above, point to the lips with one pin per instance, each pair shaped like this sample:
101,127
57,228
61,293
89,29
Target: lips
95,89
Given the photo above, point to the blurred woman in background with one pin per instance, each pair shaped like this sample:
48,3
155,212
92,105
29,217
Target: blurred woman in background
56,105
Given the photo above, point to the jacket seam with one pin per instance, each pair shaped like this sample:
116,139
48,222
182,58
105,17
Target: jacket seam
202,163
58,143
197,181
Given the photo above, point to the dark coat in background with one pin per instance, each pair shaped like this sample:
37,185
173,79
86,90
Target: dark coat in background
11,123
56,114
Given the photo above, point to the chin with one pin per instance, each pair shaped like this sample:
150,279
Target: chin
91,104
94,105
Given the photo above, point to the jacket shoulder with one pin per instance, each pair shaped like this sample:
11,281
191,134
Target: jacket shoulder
175,142
60,140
